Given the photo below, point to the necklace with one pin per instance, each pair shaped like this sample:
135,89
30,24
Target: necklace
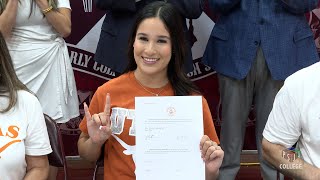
155,94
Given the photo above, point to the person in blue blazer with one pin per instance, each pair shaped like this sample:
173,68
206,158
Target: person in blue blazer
253,47
120,14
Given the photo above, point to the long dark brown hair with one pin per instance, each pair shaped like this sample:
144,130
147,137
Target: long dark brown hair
172,20
9,82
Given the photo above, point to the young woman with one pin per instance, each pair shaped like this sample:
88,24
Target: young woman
34,31
157,54
24,142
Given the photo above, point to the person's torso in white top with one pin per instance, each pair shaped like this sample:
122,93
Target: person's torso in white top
308,99
295,116
22,131
34,26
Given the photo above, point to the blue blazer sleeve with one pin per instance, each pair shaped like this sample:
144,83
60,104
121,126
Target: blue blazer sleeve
299,6
223,6
191,9
116,5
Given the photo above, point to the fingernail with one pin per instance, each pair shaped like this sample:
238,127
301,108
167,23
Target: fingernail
103,127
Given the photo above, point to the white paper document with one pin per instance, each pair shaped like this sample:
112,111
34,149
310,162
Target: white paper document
168,134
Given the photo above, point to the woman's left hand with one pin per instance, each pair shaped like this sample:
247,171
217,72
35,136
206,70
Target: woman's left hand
212,154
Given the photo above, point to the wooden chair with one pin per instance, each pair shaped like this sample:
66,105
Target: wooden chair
57,158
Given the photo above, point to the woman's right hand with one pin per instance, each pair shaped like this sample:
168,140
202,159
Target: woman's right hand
99,125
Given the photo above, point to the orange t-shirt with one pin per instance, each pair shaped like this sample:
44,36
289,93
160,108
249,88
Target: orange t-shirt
118,162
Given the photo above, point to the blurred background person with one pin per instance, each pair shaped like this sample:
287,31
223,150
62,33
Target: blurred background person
157,54
254,46
34,31
24,138
294,119
120,15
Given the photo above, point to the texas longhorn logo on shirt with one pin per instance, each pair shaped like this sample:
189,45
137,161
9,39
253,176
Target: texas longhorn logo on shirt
7,136
118,117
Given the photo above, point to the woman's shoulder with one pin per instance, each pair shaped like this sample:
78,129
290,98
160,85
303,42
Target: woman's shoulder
118,82
204,100
26,96
197,94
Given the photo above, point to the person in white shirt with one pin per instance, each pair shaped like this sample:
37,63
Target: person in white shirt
295,119
34,31
24,141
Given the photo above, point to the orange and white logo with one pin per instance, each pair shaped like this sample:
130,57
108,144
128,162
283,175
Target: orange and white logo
11,133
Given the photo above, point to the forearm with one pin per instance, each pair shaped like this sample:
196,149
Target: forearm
60,19
299,6
88,149
223,6
212,175
37,173
60,22
8,18
298,169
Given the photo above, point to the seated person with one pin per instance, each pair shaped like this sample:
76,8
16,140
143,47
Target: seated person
157,55
24,141
295,119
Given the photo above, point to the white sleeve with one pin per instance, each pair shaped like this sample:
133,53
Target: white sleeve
283,125
63,4
37,141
